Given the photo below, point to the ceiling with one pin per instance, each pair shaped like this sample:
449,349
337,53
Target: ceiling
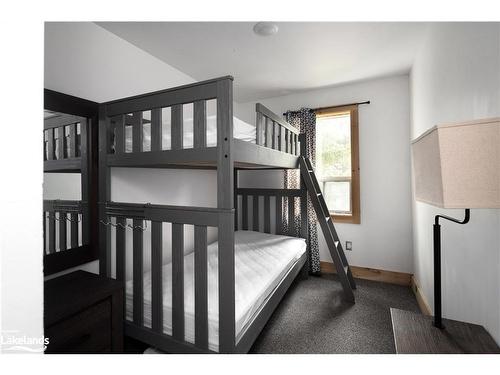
301,56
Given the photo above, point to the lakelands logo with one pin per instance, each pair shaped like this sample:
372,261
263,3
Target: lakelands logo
11,341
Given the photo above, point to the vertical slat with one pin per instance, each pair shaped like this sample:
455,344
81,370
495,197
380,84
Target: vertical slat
296,143
87,184
266,138
279,214
121,222
156,129
72,141
44,232
244,212
62,231
119,127
267,214
255,213
287,143
177,127
50,144
200,287
283,139
292,150
227,327
156,276
269,133
104,193
60,142
236,211
291,216
137,132
52,233
138,273
276,136
178,281
273,135
258,130
200,124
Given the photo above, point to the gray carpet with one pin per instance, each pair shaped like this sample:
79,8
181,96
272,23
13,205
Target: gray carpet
312,318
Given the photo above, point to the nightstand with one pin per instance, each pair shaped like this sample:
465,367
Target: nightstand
83,314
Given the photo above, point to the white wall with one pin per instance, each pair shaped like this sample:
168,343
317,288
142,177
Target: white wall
383,239
456,77
85,60
21,277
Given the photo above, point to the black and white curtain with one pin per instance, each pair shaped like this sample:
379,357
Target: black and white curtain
304,120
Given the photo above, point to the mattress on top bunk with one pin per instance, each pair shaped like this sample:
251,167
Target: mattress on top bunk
261,262
241,130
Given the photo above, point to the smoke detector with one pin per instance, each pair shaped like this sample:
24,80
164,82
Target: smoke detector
265,28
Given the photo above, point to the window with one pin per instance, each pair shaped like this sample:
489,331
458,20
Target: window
337,161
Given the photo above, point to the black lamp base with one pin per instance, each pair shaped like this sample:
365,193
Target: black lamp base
438,316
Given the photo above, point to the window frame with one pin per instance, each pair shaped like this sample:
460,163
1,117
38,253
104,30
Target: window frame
355,216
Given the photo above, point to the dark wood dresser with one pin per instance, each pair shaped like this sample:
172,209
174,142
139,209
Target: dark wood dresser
83,314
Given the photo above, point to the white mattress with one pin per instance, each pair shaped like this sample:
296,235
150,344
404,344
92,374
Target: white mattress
261,262
241,130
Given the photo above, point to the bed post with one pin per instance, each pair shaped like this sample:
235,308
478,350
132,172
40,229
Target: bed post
304,222
225,203
104,194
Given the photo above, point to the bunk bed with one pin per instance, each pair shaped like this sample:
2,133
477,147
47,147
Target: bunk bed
161,308
66,223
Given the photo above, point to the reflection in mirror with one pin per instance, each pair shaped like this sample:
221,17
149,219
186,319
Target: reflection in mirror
65,185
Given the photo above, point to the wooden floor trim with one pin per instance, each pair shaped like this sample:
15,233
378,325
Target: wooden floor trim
421,300
391,277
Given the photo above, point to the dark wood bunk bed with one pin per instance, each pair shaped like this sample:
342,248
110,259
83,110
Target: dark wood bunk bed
68,140
276,146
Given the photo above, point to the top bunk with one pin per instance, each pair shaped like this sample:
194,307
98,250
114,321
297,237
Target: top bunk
192,126
65,143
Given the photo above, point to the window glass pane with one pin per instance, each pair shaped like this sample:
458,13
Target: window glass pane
333,146
338,196
333,160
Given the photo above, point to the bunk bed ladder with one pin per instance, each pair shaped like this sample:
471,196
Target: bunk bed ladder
326,223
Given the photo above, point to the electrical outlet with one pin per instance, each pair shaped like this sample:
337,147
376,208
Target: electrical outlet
348,245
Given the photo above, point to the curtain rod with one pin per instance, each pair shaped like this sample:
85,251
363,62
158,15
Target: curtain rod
333,106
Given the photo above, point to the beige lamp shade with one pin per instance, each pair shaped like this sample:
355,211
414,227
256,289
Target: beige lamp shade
458,165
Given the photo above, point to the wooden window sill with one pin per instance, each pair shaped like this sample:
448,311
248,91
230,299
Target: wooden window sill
345,219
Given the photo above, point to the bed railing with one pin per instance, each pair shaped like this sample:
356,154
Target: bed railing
65,142
276,211
274,132
64,213
143,216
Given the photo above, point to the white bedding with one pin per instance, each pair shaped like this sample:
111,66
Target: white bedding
241,130
261,262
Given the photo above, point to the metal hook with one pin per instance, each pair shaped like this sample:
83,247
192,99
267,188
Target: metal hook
144,228
53,217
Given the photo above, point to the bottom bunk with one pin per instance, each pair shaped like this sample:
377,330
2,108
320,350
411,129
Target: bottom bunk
263,263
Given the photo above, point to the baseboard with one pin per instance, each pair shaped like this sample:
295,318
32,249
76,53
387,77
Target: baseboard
422,302
391,277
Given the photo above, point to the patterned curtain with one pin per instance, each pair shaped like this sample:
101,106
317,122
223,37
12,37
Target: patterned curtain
304,120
